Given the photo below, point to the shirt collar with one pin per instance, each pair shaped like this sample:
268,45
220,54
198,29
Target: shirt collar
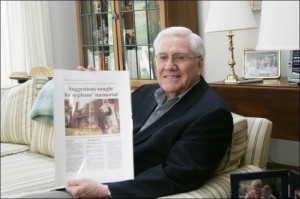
161,96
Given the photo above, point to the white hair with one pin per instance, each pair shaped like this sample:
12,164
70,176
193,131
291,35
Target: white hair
256,182
195,40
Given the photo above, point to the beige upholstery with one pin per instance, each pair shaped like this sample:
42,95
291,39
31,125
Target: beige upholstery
16,104
29,166
218,187
259,133
233,155
254,160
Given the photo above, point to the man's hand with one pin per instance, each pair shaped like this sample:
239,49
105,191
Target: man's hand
86,188
89,68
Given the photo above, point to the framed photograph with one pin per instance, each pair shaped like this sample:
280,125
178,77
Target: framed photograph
294,185
265,184
261,64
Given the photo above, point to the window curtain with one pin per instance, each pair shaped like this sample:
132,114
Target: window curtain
25,37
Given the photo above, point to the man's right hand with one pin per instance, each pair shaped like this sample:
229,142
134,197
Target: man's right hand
87,188
89,68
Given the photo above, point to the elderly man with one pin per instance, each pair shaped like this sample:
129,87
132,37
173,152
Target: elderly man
181,127
256,190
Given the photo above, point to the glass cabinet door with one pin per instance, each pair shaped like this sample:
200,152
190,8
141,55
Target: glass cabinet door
126,28
140,23
119,35
97,34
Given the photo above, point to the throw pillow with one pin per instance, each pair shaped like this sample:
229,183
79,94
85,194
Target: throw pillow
234,153
43,139
259,133
16,104
42,109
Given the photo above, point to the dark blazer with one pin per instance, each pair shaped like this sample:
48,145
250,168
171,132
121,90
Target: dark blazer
182,149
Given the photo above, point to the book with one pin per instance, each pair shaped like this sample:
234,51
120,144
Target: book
132,64
99,62
95,59
93,126
106,57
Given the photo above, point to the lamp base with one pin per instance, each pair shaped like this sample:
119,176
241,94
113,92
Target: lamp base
231,79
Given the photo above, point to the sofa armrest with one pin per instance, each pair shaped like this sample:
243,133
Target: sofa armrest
217,187
259,137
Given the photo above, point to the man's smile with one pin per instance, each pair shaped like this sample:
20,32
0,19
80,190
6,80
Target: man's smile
171,76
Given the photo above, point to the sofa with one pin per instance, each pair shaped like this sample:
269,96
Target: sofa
27,146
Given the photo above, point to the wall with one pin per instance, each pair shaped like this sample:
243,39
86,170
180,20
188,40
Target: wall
64,34
216,69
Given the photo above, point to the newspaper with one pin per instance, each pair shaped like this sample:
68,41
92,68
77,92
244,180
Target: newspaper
93,126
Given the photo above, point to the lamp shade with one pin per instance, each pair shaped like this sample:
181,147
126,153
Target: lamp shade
229,15
279,26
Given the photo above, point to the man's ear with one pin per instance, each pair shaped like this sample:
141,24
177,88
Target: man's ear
200,66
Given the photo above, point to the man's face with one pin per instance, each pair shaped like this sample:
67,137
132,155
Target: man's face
266,61
266,192
257,190
176,77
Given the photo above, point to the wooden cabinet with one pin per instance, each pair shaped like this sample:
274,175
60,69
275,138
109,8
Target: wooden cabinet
276,100
119,35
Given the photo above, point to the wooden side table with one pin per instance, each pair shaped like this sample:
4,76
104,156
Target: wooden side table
276,100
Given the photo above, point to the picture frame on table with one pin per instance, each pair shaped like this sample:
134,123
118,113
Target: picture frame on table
273,182
294,185
261,64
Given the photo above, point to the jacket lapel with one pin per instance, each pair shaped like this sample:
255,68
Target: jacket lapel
141,117
180,108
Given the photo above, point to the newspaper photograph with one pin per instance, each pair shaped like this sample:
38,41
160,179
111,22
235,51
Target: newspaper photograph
93,126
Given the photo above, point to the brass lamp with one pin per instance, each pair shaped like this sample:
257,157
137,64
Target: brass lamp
230,16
